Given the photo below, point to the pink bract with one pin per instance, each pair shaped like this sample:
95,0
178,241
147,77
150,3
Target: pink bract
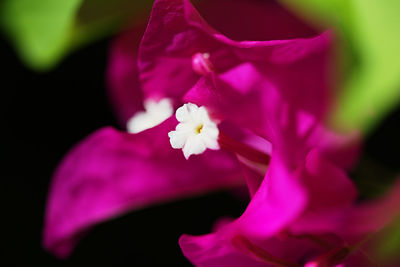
112,172
276,89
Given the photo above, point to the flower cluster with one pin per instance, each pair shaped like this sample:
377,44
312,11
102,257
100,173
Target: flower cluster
246,113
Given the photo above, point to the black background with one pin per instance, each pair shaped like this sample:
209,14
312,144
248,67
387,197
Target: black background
44,115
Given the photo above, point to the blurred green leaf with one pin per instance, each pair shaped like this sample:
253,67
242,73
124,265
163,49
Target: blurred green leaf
387,245
43,31
39,28
372,30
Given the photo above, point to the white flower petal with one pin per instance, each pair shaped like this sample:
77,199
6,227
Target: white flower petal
211,131
194,146
182,114
155,114
177,139
185,127
210,142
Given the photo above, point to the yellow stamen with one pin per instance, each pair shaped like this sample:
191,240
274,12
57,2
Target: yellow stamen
199,128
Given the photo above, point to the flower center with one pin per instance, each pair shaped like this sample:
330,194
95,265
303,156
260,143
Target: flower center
199,128
154,114
201,63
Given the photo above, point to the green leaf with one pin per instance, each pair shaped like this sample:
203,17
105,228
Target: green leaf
39,28
44,31
372,32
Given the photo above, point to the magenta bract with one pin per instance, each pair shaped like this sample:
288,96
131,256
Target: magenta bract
112,172
270,97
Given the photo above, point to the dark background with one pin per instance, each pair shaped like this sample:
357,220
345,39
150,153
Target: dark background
44,115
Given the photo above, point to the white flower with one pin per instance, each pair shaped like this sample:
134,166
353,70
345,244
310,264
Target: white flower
195,132
154,114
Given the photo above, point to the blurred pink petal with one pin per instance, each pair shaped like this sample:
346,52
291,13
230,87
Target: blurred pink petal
123,76
111,172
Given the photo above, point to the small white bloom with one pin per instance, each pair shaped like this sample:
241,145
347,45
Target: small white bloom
154,114
195,132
